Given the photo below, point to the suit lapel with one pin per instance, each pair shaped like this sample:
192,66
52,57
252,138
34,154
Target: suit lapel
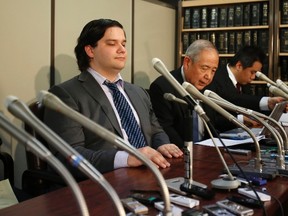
96,92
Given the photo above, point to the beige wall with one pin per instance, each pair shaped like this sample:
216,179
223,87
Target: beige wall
25,48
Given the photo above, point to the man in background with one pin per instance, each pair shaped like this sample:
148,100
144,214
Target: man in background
199,66
232,82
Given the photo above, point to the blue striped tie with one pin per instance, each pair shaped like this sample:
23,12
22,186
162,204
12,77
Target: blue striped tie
128,121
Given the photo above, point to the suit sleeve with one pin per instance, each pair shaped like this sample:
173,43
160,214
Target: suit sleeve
85,142
166,113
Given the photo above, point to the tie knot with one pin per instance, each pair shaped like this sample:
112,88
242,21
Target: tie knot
112,86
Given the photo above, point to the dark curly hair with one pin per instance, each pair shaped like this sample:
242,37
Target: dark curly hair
90,35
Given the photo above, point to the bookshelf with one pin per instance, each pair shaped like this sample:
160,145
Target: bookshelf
231,24
281,40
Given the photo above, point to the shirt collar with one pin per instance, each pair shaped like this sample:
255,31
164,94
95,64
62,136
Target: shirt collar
231,75
101,79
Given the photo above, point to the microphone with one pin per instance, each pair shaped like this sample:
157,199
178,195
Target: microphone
171,97
192,90
280,161
225,104
265,78
276,91
53,102
22,111
39,149
189,185
281,85
161,68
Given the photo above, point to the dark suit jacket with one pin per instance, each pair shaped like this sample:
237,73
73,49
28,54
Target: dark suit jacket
224,87
171,115
83,94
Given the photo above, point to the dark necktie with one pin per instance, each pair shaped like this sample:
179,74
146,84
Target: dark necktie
128,121
238,87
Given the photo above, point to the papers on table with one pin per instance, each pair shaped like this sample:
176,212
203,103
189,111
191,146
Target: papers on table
227,142
7,196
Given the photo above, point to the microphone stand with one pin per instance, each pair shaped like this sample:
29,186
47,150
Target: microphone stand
267,171
39,149
175,184
53,102
22,111
228,182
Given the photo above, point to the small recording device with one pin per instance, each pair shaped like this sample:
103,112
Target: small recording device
134,206
216,210
145,198
235,208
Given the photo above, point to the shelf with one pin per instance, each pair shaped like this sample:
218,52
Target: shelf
216,2
234,28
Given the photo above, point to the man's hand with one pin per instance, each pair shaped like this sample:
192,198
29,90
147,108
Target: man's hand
155,156
272,101
251,123
170,150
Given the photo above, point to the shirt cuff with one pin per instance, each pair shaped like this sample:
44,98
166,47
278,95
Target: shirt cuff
120,159
264,104
240,117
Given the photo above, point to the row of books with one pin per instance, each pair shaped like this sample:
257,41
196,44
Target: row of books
229,42
284,68
284,11
284,40
226,16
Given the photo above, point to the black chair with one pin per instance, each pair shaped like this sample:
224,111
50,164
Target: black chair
8,166
38,178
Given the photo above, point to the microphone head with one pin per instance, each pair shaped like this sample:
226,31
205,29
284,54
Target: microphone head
258,74
9,100
207,92
155,60
168,96
185,85
42,95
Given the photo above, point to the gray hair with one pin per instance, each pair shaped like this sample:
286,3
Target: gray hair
197,47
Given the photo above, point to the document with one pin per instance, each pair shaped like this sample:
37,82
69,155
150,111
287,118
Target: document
7,196
228,142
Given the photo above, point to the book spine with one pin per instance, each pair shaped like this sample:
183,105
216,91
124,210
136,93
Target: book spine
195,22
264,39
255,38
284,12
204,17
223,17
214,17
230,18
246,14
231,42
265,13
185,41
239,40
212,38
247,38
194,36
187,18
204,35
223,42
255,14
238,19
284,69
284,40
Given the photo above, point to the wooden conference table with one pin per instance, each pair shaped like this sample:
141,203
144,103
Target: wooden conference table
206,167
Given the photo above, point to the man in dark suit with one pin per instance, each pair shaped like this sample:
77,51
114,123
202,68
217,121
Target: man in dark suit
199,66
232,82
101,55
